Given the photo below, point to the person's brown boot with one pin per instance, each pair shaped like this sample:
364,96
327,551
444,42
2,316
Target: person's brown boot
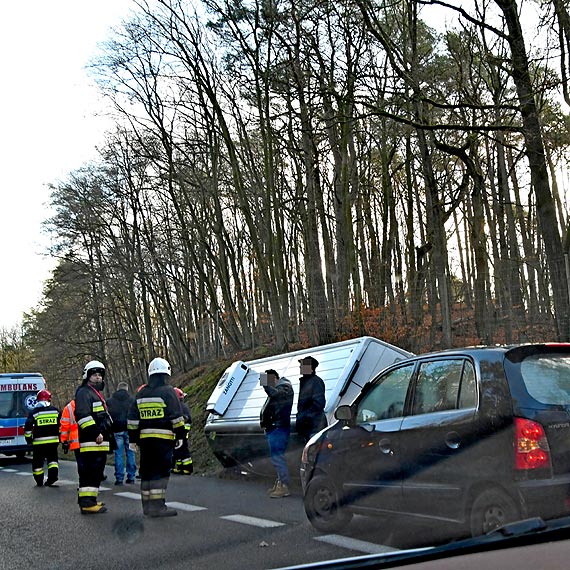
269,491
281,490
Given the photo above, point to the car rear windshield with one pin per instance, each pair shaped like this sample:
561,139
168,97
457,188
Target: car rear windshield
547,377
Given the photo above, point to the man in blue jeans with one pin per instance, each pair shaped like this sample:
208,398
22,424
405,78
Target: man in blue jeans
275,419
118,406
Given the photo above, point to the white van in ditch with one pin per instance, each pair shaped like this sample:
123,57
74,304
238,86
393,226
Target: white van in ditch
232,427
17,399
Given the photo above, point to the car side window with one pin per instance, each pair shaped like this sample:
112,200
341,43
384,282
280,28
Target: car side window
468,389
437,386
386,399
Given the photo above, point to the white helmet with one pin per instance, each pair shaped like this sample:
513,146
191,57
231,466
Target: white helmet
91,366
158,366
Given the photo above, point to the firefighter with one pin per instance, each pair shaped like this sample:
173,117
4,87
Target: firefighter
94,428
156,425
42,431
182,458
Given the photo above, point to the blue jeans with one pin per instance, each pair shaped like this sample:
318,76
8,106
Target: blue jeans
122,439
278,440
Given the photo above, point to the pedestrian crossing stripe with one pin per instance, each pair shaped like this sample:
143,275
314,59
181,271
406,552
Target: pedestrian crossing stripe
253,521
185,506
128,495
355,544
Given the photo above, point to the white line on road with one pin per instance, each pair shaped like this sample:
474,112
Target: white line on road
185,506
24,473
354,544
174,504
128,495
253,521
10,470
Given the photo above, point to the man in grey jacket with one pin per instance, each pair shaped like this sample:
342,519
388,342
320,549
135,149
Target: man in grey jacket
275,419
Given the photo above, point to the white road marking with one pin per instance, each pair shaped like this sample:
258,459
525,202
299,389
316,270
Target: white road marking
10,470
128,495
354,544
66,482
173,504
24,473
185,506
253,521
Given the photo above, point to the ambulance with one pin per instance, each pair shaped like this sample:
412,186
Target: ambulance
17,399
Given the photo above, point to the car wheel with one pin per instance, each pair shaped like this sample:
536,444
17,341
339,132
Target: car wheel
492,509
322,506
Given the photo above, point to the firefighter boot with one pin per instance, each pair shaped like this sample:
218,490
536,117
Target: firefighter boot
145,505
145,496
187,466
159,509
38,476
53,474
94,509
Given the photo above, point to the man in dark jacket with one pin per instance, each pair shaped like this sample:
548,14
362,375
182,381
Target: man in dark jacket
275,419
95,432
311,403
156,425
119,405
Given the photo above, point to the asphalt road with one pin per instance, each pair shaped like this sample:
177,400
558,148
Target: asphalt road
222,524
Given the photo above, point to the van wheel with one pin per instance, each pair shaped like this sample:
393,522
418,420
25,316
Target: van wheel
490,510
322,506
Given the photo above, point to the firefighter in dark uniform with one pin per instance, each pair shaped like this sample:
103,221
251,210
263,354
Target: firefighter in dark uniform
94,425
156,425
182,457
42,431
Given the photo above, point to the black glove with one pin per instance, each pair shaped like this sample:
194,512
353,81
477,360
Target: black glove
65,447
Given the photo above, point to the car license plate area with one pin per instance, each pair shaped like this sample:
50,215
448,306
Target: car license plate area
6,441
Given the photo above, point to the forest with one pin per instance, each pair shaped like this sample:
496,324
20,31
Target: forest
290,173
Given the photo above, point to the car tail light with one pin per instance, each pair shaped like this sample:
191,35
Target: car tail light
531,446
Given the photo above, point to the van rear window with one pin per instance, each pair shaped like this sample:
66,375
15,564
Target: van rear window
547,377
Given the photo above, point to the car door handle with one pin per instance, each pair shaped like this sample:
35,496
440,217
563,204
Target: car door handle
453,440
385,446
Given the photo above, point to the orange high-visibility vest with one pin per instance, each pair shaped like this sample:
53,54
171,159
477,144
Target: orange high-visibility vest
68,430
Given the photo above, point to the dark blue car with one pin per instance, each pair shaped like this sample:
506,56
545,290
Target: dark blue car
478,437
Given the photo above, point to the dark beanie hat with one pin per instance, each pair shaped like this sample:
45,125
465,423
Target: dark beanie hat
310,360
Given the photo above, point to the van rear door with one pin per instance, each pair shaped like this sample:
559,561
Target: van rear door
226,388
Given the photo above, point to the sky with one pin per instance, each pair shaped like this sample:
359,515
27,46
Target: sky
52,119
